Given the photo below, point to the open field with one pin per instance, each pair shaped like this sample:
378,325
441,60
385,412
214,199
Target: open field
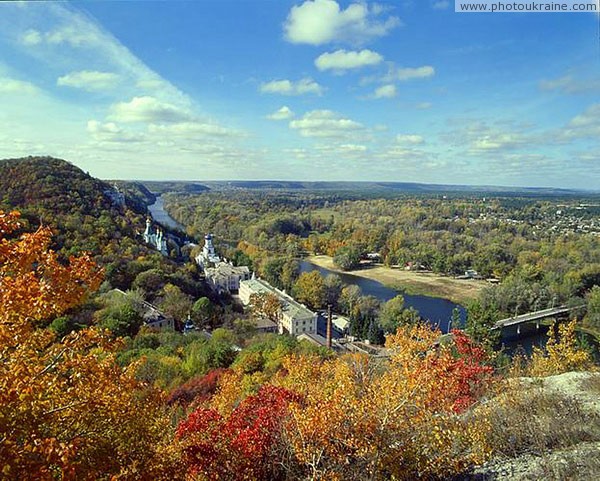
428,284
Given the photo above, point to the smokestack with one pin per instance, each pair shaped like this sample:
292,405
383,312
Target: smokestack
329,326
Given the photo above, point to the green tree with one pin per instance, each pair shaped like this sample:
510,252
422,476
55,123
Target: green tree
310,289
375,334
121,314
480,321
333,289
203,312
391,312
289,273
347,258
175,303
348,299
592,317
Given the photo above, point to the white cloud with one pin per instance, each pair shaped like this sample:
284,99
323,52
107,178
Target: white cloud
409,139
345,60
494,141
570,85
284,113
70,35
399,74
147,118
193,129
317,22
440,5
482,138
31,37
89,80
111,132
350,148
403,74
13,86
288,87
66,37
148,109
387,91
325,123
424,105
584,125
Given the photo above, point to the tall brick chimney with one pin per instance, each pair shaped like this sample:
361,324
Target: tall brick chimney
329,326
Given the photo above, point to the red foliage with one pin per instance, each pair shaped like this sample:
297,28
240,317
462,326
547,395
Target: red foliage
197,389
246,445
462,374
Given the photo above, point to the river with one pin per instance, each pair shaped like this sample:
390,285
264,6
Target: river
160,215
436,310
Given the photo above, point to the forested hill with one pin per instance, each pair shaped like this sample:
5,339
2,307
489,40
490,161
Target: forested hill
50,185
54,192
82,216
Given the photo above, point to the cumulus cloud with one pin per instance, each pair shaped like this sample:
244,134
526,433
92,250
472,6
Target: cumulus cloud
325,123
494,141
345,60
148,109
387,91
111,132
318,22
482,138
14,86
351,148
289,87
409,139
89,80
284,113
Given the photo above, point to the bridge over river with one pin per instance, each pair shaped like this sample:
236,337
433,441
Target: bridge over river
535,316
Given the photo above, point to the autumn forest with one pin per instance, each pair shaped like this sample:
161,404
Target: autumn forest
89,390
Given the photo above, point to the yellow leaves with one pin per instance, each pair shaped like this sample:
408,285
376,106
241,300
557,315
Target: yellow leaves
66,409
34,285
562,354
358,414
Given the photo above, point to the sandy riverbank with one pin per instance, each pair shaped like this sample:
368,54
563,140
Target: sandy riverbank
428,284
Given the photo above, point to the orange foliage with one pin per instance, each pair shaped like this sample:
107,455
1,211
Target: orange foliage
34,285
67,411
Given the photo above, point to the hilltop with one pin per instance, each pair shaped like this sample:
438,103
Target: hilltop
76,206
86,214
49,185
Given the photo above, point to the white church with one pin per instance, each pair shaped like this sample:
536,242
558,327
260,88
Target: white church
221,276
155,237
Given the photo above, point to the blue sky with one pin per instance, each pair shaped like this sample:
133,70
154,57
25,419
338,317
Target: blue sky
314,90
